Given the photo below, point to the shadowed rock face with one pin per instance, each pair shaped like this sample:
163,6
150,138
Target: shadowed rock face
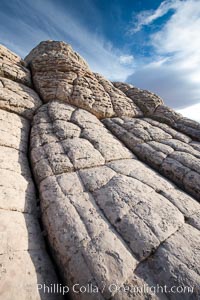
118,176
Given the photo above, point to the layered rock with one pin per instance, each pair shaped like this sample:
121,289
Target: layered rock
172,153
13,67
112,211
24,262
153,106
118,181
147,101
106,213
60,73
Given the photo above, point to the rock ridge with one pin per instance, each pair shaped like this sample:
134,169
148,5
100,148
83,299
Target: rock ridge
153,106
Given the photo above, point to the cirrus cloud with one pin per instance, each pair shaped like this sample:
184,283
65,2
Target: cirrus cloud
23,24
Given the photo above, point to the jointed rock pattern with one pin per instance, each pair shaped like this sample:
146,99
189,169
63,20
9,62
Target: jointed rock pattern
118,176
171,153
24,262
152,106
60,73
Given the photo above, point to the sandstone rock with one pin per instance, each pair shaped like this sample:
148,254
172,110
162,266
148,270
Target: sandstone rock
59,146
24,262
111,221
142,208
17,98
60,73
153,106
13,67
145,100
170,153
172,261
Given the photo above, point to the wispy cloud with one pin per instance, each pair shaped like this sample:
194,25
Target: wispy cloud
146,17
36,20
126,59
174,70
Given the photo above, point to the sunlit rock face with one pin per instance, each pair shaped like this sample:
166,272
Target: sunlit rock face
24,261
117,174
59,73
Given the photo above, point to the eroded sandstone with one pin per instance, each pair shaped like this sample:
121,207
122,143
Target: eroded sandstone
24,262
118,177
60,73
104,196
152,106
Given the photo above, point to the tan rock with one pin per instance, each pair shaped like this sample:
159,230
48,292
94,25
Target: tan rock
164,149
23,273
153,106
13,67
142,208
18,98
24,262
60,73
172,261
111,221
145,100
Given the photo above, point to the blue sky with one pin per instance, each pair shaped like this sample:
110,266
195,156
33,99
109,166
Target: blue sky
152,44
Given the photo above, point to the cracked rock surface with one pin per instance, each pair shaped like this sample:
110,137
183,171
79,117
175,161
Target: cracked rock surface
153,106
60,73
118,178
24,262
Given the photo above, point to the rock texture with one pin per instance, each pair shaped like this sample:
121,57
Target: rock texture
163,148
118,176
60,73
24,262
153,106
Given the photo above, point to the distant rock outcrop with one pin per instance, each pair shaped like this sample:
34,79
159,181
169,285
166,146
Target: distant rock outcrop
153,106
118,177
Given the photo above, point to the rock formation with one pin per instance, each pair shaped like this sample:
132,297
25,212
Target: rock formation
24,262
118,180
